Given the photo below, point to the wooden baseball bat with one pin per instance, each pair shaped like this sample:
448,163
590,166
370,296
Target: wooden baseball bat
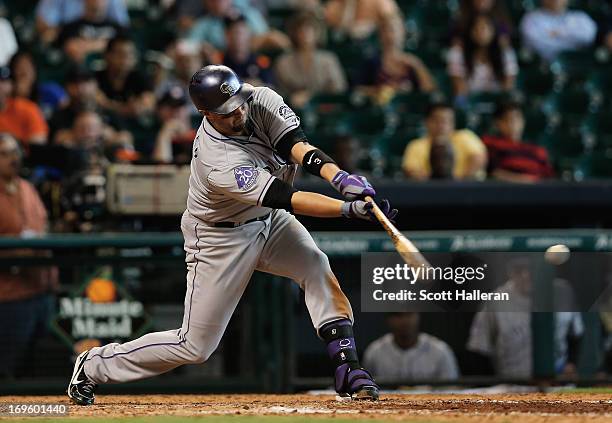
404,247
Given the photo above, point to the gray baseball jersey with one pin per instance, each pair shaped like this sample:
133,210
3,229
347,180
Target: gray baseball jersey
230,175
229,179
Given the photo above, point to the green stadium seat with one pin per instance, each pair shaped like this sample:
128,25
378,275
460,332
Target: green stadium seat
599,85
600,127
535,82
433,58
391,147
563,145
595,166
576,101
431,21
572,68
536,124
517,8
485,102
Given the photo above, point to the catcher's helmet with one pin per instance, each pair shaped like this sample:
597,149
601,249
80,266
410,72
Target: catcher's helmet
217,89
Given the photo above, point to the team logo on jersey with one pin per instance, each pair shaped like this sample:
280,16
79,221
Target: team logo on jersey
245,176
285,112
229,89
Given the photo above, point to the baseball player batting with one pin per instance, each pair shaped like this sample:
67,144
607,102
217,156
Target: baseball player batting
239,219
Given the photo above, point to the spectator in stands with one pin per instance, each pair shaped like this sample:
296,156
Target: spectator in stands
25,291
469,153
52,15
552,29
88,34
308,70
406,354
89,131
48,95
101,143
510,159
20,117
8,41
174,131
210,29
481,63
125,92
82,89
502,333
394,71
468,9
441,160
360,19
189,10
251,68
187,60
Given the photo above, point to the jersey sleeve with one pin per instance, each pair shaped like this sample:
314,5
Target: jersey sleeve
275,117
245,183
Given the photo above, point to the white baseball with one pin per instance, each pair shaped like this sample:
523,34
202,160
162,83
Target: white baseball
557,254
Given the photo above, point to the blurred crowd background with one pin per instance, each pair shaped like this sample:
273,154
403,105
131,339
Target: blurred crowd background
508,90
514,90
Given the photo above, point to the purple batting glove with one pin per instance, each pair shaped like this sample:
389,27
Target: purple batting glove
385,207
352,187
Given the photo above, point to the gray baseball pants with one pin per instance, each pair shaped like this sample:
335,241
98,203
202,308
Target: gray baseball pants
220,262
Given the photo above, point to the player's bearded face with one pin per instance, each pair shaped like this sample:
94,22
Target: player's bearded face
231,124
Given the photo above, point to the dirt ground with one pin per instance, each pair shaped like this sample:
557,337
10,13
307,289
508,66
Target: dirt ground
523,408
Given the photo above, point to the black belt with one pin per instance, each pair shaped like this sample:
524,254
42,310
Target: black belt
236,224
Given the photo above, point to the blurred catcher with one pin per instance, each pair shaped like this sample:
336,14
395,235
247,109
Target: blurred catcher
238,220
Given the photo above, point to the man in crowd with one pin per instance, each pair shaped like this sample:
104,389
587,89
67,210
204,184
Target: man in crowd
552,29
406,354
20,117
210,28
88,34
251,68
175,134
468,151
82,89
52,15
25,291
510,159
126,92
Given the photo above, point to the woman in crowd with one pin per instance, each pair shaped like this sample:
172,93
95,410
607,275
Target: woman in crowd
468,9
48,95
394,71
481,62
308,70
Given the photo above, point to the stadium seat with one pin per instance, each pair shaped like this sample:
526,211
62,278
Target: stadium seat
573,67
596,165
536,82
599,126
599,85
574,101
562,146
517,8
431,20
537,123
391,147
433,58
